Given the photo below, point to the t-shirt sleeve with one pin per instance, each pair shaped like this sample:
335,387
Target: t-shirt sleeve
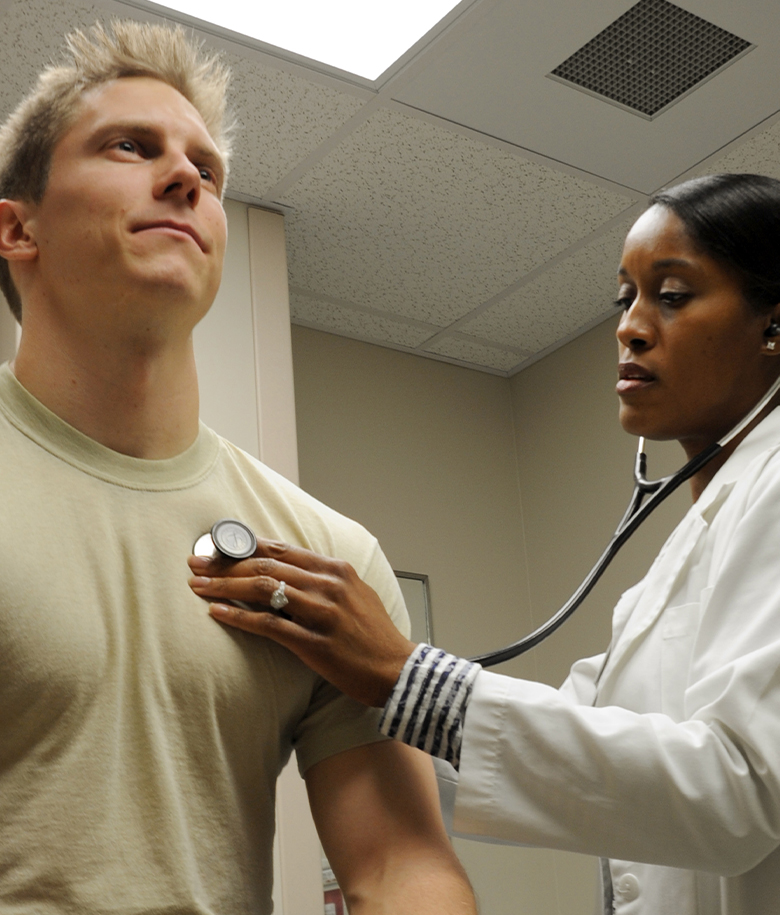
333,722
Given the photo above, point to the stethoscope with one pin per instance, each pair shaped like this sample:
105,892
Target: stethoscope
231,540
635,514
234,540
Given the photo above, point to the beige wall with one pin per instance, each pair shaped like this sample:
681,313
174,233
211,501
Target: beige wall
422,454
8,332
575,465
503,491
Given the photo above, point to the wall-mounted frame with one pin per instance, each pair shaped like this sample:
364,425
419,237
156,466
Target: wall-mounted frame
417,595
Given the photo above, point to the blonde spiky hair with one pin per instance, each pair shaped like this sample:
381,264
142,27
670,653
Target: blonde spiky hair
95,56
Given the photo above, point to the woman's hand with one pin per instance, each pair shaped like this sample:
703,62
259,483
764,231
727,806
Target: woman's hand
333,621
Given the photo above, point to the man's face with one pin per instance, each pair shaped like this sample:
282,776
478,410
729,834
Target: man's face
131,232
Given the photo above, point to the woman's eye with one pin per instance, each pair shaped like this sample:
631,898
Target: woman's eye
624,302
673,298
207,175
127,146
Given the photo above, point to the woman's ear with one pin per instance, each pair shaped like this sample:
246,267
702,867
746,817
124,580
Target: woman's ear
772,333
16,241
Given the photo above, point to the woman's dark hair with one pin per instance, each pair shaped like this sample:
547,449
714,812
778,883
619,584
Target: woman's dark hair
735,220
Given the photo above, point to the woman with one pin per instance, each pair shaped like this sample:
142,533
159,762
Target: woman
662,756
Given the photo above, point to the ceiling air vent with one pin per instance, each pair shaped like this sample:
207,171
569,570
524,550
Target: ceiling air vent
650,57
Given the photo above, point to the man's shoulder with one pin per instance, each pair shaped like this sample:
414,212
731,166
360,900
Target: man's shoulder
311,523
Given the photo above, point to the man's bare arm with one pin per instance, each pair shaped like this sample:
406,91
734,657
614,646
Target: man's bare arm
376,808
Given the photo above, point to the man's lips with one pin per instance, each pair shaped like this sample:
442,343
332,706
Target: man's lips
174,226
632,377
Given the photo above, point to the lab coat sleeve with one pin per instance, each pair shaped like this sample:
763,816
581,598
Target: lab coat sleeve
701,793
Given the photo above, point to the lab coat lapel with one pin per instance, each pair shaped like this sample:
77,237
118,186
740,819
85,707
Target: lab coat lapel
652,594
656,587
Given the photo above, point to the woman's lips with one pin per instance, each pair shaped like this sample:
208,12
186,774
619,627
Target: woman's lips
633,377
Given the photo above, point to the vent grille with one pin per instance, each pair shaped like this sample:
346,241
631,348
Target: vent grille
651,57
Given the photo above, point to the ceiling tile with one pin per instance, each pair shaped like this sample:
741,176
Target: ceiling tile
416,220
32,37
759,154
282,119
476,353
569,296
493,77
352,322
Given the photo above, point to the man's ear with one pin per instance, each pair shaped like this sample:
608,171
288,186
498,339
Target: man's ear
16,241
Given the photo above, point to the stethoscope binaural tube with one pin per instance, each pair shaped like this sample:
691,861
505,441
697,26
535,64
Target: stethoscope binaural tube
635,514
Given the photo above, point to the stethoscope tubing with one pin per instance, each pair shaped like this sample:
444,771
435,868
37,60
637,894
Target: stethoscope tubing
636,513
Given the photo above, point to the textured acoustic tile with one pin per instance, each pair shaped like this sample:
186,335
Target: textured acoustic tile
571,294
407,217
32,33
759,154
476,353
351,322
282,118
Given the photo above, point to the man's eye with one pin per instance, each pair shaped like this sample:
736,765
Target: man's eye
207,175
127,146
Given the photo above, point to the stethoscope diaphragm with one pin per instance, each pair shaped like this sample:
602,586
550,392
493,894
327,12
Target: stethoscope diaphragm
229,537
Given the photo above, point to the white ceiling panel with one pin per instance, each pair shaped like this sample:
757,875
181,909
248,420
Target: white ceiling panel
580,288
282,119
416,220
469,352
32,36
759,153
338,318
494,79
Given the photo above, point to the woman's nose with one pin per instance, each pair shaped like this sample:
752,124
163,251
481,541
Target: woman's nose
634,329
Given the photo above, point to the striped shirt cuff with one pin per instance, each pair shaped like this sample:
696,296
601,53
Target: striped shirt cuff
428,704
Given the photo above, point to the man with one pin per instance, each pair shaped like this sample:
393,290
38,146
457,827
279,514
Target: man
141,741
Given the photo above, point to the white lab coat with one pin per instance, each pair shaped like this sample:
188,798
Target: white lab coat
671,755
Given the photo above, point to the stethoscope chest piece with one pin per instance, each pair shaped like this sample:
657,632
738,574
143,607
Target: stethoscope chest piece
227,537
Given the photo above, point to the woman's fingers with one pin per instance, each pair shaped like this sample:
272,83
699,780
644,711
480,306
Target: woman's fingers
323,580
332,620
250,589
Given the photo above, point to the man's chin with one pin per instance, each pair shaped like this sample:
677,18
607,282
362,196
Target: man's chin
173,287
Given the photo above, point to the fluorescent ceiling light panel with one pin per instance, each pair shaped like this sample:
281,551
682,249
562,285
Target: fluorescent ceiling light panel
363,37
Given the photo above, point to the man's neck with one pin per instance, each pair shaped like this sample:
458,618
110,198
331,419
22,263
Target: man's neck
136,399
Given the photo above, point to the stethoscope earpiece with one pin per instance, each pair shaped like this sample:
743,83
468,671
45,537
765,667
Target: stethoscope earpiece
773,330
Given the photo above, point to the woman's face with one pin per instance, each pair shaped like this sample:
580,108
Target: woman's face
693,358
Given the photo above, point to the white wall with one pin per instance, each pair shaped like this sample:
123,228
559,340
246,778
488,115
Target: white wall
224,344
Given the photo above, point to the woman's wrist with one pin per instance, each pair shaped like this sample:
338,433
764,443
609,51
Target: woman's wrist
427,707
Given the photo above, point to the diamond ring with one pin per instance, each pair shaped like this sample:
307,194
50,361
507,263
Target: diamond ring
279,599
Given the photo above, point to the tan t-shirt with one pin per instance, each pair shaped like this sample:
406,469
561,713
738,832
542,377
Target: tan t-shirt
140,741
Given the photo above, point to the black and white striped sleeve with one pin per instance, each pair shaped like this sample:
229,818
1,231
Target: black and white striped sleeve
427,707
